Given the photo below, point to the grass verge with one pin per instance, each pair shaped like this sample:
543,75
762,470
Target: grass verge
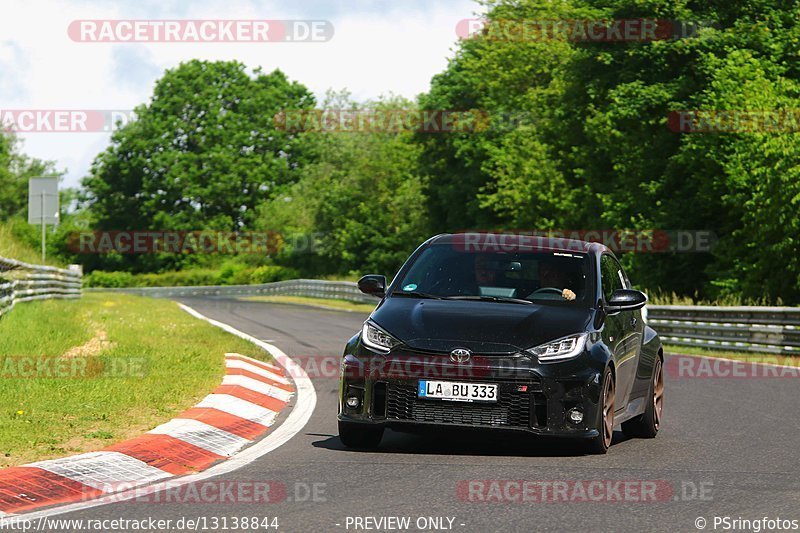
108,367
324,303
13,248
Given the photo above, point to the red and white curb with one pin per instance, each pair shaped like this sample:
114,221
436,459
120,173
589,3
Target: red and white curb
192,446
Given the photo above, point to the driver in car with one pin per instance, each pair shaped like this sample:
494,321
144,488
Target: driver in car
550,276
484,273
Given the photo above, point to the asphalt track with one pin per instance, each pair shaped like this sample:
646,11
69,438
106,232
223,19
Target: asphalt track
728,448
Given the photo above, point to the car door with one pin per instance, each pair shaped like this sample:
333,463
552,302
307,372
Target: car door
634,323
622,338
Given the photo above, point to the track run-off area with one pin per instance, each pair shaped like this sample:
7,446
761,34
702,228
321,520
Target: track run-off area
727,450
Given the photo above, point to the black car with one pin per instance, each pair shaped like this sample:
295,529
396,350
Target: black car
504,332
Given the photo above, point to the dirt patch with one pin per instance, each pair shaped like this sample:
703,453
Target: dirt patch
95,346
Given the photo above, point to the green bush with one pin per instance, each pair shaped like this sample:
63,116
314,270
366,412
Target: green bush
111,280
230,274
233,273
241,276
272,273
181,278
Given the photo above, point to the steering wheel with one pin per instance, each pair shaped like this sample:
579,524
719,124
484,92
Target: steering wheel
548,289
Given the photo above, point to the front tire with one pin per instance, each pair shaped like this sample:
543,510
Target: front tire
359,435
646,426
605,416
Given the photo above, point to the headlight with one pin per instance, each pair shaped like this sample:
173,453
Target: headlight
559,349
377,339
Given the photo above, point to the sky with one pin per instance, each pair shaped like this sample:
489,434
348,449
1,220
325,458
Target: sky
378,47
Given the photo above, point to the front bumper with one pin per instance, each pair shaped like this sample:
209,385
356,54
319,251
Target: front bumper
532,397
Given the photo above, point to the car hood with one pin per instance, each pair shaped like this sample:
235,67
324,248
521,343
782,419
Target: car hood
483,327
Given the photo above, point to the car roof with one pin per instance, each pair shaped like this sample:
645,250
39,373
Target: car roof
490,241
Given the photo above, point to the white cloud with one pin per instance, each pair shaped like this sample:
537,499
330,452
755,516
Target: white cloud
135,67
379,47
12,59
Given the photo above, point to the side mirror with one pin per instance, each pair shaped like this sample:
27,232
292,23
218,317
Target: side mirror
373,285
625,300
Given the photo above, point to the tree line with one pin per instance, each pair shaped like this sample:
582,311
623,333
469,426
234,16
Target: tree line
567,134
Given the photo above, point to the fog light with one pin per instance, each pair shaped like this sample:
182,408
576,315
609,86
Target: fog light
575,415
353,402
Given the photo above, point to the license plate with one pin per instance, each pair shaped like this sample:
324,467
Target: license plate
457,392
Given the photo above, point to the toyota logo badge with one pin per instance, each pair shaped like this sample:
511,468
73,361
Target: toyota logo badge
460,355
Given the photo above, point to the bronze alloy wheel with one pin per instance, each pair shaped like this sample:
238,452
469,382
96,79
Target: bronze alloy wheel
608,411
658,393
648,423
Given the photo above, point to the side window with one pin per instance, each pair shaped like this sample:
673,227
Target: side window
611,276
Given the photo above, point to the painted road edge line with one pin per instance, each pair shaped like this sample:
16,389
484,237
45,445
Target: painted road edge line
306,401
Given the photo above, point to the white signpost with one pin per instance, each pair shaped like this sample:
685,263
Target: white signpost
43,204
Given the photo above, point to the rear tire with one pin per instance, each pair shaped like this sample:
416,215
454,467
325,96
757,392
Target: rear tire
646,426
600,444
360,435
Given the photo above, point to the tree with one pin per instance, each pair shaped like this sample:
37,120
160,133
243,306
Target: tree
361,196
597,152
508,175
202,154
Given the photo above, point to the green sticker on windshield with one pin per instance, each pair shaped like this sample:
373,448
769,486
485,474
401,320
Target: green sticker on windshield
410,287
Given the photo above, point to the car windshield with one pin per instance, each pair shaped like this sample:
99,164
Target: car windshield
542,276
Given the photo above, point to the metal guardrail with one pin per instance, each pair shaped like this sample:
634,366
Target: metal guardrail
745,329
337,290
23,282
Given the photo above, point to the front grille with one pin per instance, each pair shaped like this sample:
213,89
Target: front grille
513,407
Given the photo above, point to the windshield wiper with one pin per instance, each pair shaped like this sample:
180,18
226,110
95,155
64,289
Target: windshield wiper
502,299
417,295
